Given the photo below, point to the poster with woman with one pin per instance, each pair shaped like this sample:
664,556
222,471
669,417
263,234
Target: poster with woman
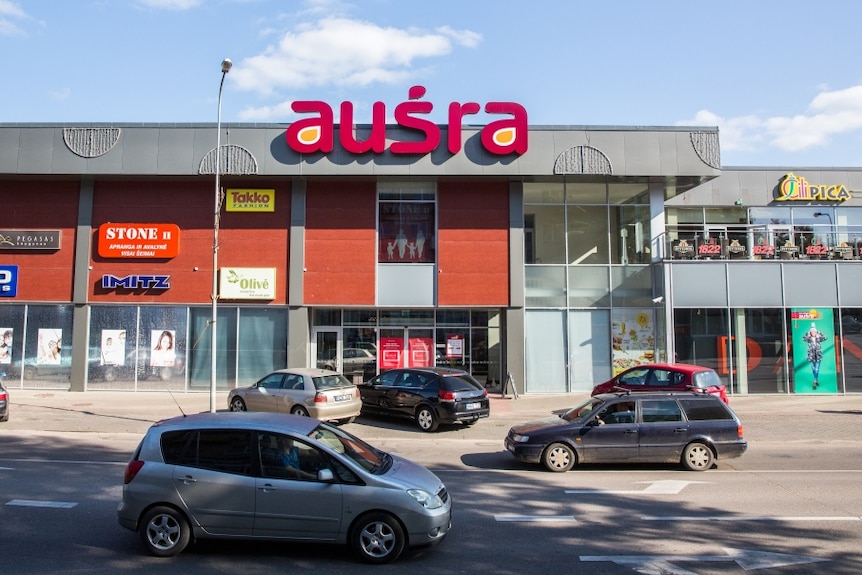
113,347
5,345
813,346
50,346
163,353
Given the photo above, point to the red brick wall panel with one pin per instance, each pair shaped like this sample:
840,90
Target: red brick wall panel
340,251
473,244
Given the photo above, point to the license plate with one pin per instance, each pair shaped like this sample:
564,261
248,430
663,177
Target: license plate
474,405
342,397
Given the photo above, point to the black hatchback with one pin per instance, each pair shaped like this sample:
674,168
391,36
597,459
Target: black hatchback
428,395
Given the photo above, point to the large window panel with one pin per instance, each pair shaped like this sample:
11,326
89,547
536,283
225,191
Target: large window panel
582,193
544,234
631,286
262,343
589,349
112,355
48,346
630,240
545,286
587,235
545,357
200,358
589,286
12,342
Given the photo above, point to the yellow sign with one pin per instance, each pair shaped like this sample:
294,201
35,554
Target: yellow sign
797,188
250,200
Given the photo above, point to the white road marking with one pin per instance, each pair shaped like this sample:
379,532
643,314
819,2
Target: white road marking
535,518
664,487
51,504
663,564
747,518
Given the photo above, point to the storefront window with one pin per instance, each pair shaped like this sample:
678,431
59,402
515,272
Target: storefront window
48,346
589,286
631,242
113,355
545,286
12,342
544,234
631,286
406,226
851,343
589,349
545,357
587,233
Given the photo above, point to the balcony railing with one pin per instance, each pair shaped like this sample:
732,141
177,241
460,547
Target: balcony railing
778,242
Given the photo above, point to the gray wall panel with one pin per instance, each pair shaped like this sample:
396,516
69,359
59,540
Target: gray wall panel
406,285
754,285
699,284
9,150
177,151
35,151
810,285
141,150
850,285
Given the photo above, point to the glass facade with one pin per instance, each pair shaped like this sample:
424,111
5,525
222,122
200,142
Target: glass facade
586,254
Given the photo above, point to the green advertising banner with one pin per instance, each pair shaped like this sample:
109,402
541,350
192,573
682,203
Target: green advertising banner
814,360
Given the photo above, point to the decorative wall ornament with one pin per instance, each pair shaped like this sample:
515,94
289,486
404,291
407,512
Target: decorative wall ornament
706,147
234,161
91,142
583,160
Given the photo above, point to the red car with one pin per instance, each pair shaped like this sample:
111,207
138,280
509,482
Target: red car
666,377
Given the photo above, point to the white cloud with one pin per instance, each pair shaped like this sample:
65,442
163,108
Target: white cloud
267,113
171,4
61,94
8,11
828,114
343,52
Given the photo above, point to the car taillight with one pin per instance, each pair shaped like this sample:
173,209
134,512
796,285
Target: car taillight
739,431
445,395
319,398
132,470
3,396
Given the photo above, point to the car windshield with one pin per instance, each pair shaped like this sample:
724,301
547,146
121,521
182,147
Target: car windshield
333,381
582,411
460,383
369,458
706,379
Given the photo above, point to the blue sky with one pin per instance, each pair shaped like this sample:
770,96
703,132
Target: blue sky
780,78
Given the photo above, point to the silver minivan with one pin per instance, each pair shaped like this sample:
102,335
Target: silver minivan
278,477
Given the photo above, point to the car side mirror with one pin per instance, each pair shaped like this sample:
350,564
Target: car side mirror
325,475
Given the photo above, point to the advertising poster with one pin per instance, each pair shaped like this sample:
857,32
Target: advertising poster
163,353
6,344
454,346
406,230
421,352
813,345
113,347
50,342
390,352
633,338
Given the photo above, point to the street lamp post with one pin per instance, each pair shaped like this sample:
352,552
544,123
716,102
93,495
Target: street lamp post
832,239
225,68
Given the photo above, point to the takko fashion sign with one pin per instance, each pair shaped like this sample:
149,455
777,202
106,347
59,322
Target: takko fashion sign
316,134
139,240
796,188
250,200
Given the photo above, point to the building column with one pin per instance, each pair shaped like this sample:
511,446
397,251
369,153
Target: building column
81,288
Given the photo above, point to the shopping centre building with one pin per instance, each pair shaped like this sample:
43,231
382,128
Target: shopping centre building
557,254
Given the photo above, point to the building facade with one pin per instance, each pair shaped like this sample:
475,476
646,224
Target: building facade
556,256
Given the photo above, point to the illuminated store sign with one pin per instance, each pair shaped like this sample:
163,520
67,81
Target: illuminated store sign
247,283
156,282
29,239
133,241
795,188
317,134
250,200
8,281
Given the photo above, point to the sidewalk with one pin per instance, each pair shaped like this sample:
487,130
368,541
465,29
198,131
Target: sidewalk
824,416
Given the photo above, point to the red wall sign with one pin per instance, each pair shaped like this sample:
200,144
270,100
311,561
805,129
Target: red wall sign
137,241
317,134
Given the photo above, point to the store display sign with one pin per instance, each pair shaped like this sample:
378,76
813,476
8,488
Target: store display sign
247,283
454,346
8,281
316,134
250,200
29,239
138,241
134,282
421,352
391,349
796,188
815,360
632,338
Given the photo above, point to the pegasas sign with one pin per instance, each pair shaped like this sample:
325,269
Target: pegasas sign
795,188
317,134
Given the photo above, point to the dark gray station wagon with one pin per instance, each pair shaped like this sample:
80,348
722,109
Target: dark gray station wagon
693,429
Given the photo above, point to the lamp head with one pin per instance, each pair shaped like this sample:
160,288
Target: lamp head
226,65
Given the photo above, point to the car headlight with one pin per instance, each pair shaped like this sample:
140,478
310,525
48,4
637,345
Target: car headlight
425,499
518,438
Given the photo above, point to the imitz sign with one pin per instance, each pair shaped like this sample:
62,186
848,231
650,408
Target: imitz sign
507,136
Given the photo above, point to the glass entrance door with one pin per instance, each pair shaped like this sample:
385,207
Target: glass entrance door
326,348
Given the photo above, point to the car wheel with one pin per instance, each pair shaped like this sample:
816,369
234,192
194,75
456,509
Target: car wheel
377,538
299,410
426,419
237,404
559,457
165,531
697,457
